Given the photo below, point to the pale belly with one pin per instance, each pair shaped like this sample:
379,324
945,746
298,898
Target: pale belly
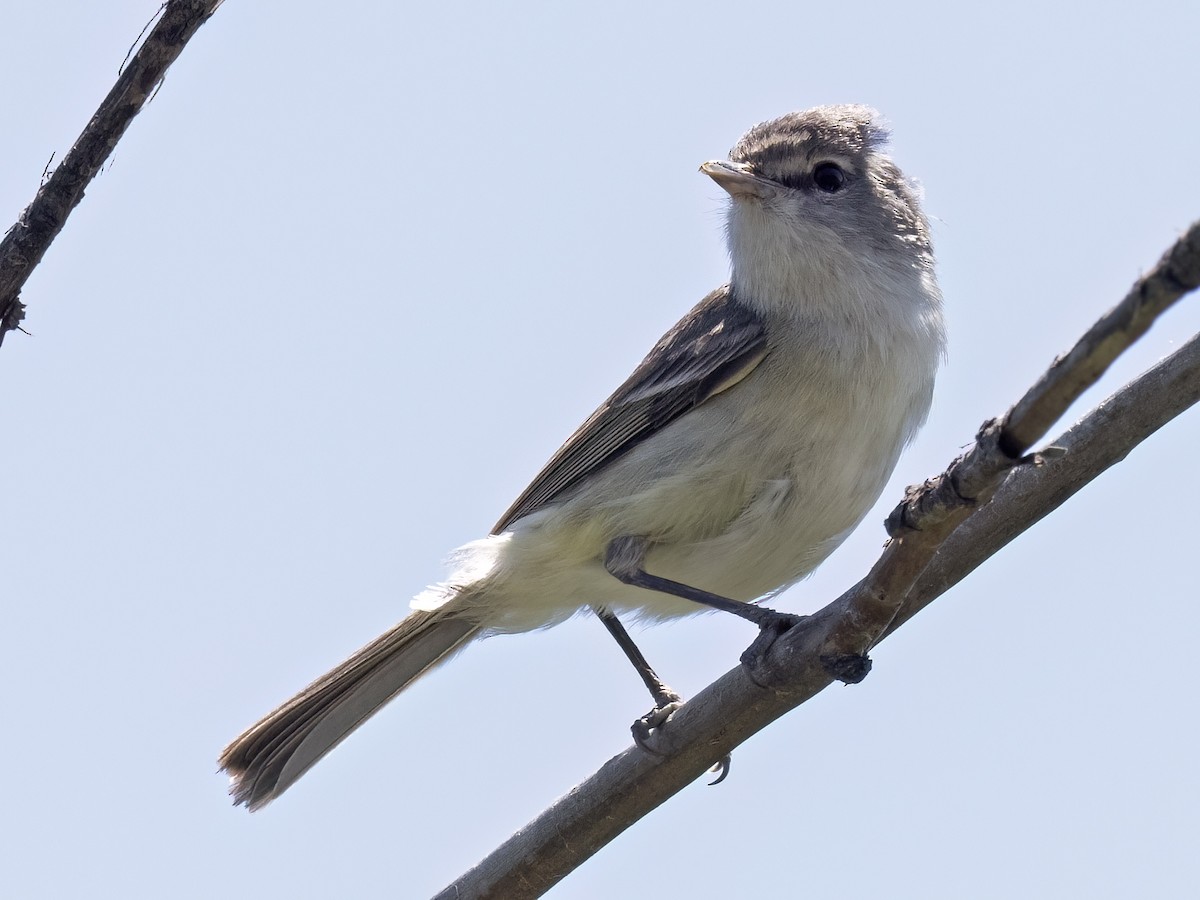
742,502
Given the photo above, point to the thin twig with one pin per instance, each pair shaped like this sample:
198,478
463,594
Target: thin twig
1001,444
1176,273
28,240
141,34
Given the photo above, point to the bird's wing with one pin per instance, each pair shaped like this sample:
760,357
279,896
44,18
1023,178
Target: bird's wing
712,348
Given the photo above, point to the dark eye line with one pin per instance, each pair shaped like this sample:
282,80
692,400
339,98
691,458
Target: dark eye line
800,182
811,180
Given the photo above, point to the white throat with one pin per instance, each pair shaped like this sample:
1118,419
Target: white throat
805,270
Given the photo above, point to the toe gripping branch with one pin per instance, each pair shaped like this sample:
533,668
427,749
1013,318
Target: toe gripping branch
624,559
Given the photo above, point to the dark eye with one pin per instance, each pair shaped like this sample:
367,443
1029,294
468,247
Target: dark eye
829,177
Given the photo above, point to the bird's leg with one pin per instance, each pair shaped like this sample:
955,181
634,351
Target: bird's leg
666,701
663,695
624,559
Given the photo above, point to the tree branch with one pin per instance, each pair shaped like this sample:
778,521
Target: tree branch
942,532
39,224
1097,442
1176,273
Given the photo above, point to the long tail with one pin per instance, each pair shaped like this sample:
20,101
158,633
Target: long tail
267,758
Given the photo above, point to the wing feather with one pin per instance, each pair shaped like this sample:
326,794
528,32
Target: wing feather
712,348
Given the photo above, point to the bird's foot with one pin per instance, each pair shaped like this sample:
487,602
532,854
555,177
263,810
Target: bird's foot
667,702
848,669
771,626
644,728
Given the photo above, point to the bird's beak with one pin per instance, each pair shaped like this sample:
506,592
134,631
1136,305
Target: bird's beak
738,179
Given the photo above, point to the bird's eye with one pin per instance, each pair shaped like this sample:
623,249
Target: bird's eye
829,177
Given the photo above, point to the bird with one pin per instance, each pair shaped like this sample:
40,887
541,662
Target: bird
746,446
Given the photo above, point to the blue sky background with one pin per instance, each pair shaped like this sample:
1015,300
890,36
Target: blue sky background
356,272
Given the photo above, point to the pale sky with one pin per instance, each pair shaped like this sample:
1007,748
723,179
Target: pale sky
356,272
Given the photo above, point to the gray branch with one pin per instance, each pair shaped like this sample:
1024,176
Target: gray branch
28,240
941,533
1176,273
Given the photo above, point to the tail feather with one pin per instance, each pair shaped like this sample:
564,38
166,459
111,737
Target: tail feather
270,756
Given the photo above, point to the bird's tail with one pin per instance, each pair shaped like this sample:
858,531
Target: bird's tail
267,758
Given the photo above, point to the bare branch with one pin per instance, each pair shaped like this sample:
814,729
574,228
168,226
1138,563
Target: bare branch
1001,444
1100,440
1176,273
944,530
28,240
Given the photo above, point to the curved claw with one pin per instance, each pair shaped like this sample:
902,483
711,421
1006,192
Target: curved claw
722,769
656,718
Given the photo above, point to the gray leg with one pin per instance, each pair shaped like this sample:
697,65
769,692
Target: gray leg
663,695
624,560
666,701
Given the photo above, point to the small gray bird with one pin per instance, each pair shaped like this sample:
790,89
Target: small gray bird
745,447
